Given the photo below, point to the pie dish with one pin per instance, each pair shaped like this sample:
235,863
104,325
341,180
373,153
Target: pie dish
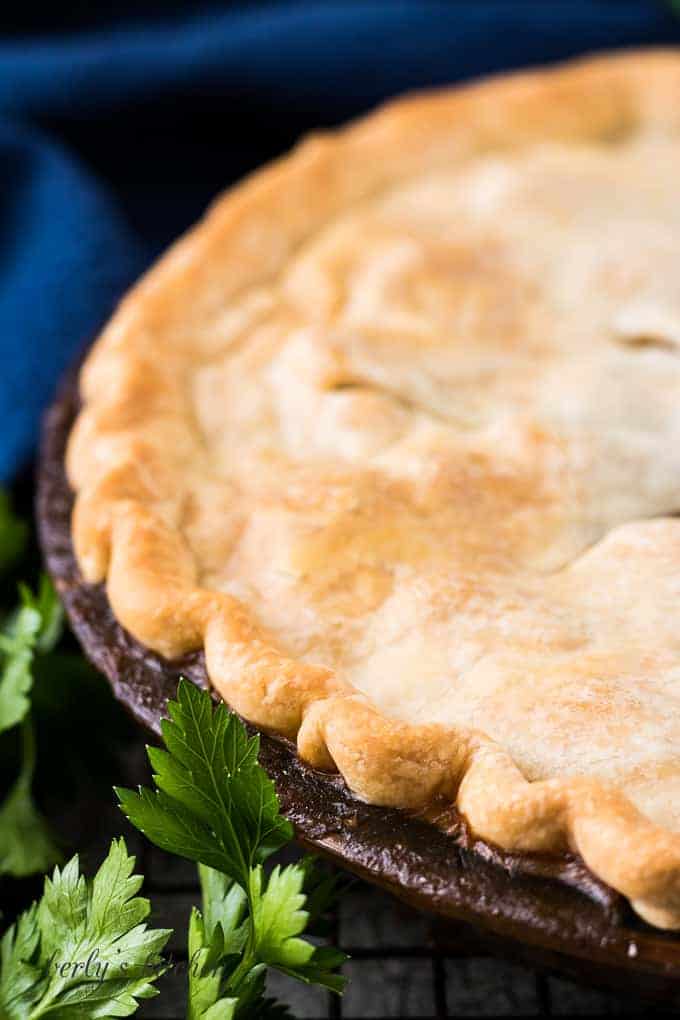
394,436
545,910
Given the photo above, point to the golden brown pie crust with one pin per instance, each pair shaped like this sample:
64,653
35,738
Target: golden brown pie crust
385,434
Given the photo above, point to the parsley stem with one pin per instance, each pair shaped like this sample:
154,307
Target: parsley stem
245,965
249,958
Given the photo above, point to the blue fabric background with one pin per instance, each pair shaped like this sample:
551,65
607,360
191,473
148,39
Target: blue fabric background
115,135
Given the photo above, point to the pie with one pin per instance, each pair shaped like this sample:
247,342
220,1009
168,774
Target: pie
394,435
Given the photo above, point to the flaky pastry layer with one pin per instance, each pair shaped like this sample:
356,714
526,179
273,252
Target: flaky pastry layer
372,435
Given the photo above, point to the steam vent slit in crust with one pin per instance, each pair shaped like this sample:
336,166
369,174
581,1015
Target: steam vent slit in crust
394,434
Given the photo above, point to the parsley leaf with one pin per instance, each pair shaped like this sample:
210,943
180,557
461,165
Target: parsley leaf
216,941
205,977
46,603
216,938
215,804
26,843
35,626
22,980
17,642
83,952
279,918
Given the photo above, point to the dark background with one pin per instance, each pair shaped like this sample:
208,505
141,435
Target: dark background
118,124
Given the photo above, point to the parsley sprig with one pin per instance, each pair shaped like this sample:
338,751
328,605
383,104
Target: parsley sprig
215,805
83,952
31,629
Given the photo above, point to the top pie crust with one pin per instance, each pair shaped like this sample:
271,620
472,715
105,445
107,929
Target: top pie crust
394,434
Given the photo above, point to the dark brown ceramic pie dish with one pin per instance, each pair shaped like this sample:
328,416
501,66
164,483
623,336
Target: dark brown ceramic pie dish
550,912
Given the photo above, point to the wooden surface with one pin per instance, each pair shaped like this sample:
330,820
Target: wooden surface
404,964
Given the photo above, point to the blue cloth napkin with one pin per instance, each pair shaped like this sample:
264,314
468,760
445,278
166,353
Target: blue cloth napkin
114,136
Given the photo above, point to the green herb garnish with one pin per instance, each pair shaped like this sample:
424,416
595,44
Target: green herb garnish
26,843
215,805
83,951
